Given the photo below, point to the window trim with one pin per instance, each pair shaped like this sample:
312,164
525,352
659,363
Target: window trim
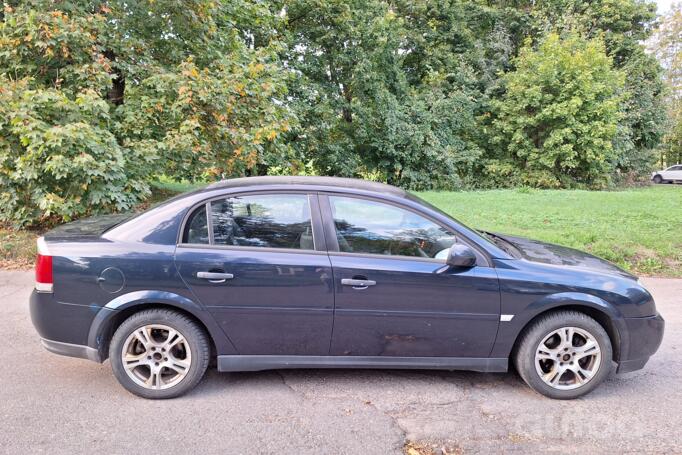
209,224
186,218
315,222
483,259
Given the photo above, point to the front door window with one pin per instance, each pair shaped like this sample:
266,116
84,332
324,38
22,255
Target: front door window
369,227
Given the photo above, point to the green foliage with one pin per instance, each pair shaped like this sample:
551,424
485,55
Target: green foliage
377,95
418,93
219,120
98,97
57,157
560,113
622,25
667,46
54,49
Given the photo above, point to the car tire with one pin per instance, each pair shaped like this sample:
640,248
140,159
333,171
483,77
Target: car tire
159,353
657,179
564,355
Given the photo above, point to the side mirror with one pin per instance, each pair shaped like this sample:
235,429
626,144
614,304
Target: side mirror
461,256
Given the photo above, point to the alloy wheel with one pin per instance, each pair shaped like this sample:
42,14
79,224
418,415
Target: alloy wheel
156,356
568,358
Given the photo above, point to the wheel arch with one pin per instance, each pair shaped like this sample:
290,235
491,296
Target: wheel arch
112,315
604,318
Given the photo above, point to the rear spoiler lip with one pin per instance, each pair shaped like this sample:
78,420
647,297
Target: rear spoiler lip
86,229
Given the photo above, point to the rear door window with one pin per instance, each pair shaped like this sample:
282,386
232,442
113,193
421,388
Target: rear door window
267,221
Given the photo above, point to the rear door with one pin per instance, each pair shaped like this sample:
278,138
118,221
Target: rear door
394,294
258,263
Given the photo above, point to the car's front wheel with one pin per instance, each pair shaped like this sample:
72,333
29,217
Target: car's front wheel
564,355
658,178
159,353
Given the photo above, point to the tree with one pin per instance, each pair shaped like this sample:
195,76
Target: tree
58,155
667,46
418,93
98,97
390,90
560,113
623,25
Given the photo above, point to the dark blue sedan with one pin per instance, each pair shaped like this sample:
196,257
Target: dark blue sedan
315,272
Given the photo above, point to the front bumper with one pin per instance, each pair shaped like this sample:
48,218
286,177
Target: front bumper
644,338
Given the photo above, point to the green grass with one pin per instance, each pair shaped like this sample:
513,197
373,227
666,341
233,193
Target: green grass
166,185
638,229
166,188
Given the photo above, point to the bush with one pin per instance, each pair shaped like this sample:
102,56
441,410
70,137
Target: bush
559,115
58,160
96,100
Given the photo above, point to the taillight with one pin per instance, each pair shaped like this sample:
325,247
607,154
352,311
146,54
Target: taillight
43,268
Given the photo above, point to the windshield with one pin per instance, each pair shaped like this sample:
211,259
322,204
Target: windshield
481,234
489,237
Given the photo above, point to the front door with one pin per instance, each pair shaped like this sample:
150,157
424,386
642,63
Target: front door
677,173
394,294
252,261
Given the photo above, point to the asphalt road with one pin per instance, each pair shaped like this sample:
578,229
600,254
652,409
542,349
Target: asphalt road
56,404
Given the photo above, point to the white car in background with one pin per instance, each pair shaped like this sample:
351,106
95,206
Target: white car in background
671,175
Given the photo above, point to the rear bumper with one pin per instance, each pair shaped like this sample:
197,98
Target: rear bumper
72,350
644,338
64,327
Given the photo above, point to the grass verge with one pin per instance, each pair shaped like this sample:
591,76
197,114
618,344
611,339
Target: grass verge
638,229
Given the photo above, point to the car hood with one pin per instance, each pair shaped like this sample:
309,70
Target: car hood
548,253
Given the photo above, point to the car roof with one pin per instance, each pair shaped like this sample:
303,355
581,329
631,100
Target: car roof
332,182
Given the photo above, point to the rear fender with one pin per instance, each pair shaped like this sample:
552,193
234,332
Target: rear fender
103,324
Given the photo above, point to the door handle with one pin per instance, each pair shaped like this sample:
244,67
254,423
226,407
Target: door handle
215,277
357,284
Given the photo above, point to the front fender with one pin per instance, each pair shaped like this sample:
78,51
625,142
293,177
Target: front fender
509,331
102,326
569,298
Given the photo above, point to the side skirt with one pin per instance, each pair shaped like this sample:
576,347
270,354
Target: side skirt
276,362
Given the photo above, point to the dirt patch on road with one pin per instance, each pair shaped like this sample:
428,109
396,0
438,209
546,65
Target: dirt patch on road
424,448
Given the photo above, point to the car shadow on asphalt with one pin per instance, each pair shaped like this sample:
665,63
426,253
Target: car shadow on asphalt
216,383
370,381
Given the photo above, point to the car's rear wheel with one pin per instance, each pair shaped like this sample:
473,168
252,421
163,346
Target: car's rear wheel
159,353
658,178
564,355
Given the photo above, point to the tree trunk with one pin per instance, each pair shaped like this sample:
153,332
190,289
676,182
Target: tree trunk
118,84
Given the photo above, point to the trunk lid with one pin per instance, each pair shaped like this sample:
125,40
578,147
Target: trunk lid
87,228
